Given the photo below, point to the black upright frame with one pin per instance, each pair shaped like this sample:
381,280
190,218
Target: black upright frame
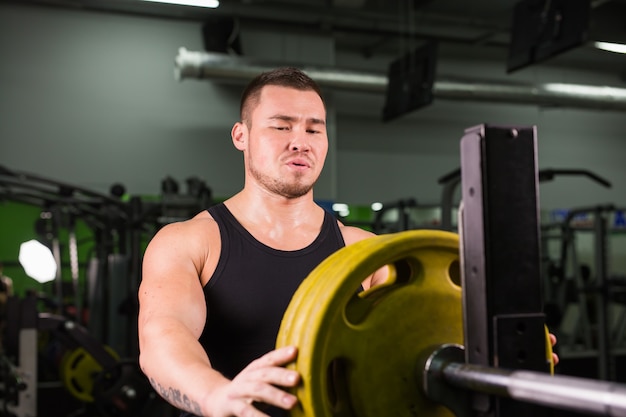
504,323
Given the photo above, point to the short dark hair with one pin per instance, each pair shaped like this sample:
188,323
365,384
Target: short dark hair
284,77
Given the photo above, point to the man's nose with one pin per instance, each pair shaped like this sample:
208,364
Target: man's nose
300,142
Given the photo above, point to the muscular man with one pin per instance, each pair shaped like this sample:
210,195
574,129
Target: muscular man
215,287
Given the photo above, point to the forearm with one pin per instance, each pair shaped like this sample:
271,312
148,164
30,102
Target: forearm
178,367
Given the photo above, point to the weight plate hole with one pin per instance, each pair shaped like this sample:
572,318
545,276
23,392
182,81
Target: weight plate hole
337,384
360,304
454,272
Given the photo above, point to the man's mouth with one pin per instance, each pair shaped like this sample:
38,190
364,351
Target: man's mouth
301,163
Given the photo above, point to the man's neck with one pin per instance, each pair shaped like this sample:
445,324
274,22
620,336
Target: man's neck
285,224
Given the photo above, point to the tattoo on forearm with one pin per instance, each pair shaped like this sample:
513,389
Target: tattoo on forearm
176,398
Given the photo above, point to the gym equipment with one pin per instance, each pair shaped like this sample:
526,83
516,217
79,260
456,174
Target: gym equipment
118,228
102,382
366,342
178,206
361,354
78,371
394,216
451,180
595,291
110,222
396,349
91,372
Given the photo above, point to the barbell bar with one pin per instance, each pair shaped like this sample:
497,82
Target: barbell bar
445,368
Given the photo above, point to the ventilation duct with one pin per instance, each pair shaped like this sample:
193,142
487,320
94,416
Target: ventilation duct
215,66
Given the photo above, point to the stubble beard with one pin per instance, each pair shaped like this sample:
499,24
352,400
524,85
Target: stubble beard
279,186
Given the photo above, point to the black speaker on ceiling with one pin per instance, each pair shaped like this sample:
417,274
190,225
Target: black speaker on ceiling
221,34
542,29
410,81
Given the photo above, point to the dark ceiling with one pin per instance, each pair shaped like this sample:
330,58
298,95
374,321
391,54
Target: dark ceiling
371,27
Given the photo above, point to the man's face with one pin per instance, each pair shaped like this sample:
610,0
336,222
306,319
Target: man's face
287,141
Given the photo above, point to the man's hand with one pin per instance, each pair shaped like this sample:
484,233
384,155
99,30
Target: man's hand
555,357
259,382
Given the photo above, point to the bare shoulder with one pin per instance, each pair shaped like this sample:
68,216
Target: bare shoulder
188,245
353,234
200,226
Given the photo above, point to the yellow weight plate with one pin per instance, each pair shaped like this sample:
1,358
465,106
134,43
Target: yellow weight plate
358,353
78,371
549,357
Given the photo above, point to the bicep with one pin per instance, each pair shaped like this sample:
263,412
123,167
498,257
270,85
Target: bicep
170,290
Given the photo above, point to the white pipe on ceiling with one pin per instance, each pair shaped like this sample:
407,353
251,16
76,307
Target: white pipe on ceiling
218,66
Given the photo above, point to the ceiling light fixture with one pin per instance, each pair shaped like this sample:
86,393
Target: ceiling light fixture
619,48
212,4
342,209
600,92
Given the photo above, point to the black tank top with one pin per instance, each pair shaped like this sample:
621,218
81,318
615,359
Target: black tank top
251,288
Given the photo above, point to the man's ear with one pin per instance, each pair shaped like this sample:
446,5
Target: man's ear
239,134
